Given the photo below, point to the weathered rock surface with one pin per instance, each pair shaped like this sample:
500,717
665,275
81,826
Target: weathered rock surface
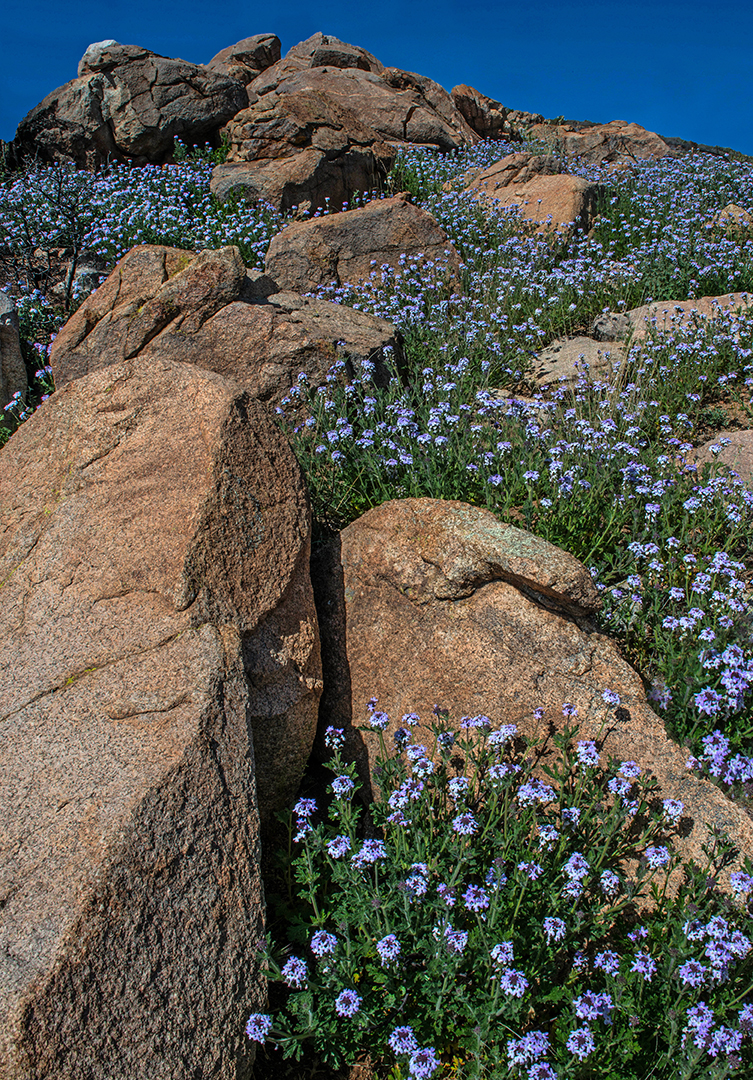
636,323
567,359
533,183
321,122
347,247
246,60
128,104
489,118
13,378
162,303
731,448
320,50
616,143
422,601
302,150
159,643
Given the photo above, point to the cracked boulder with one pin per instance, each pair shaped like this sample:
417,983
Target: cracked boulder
422,601
489,118
129,104
207,309
246,60
159,680
324,122
350,247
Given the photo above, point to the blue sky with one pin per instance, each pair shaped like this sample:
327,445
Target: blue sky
677,68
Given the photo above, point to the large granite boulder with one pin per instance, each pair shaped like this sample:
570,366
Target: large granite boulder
303,150
13,378
128,104
543,194
617,143
322,122
320,50
423,602
348,247
159,679
162,303
246,60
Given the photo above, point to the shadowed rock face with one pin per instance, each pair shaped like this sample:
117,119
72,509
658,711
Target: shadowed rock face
348,247
159,673
13,377
423,602
128,104
162,303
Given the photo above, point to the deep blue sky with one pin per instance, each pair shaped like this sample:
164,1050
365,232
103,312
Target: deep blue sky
677,68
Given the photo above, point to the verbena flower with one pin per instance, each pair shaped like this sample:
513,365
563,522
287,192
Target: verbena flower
554,928
388,949
465,824
423,1062
295,973
323,944
402,1040
339,847
258,1027
347,1003
581,1042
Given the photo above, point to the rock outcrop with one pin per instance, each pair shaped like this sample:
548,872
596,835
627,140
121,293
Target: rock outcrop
636,324
617,143
423,602
246,60
162,303
348,247
323,123
543,194
128,104
13,379
159,672
491,119
302,150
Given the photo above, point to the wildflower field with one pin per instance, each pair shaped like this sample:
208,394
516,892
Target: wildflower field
480,921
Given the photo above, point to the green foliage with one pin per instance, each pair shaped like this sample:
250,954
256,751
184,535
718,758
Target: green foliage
493,909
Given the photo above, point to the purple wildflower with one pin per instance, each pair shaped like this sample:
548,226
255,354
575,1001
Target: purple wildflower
371,851
554,929
347,1003
334,738
258,1027
513,982
465,824
294,973
456,940
342,786
645,965
402,1040
528,1049
323,944
388,949
475,898
692,973
423,1062
581,1042
339,847
608,962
